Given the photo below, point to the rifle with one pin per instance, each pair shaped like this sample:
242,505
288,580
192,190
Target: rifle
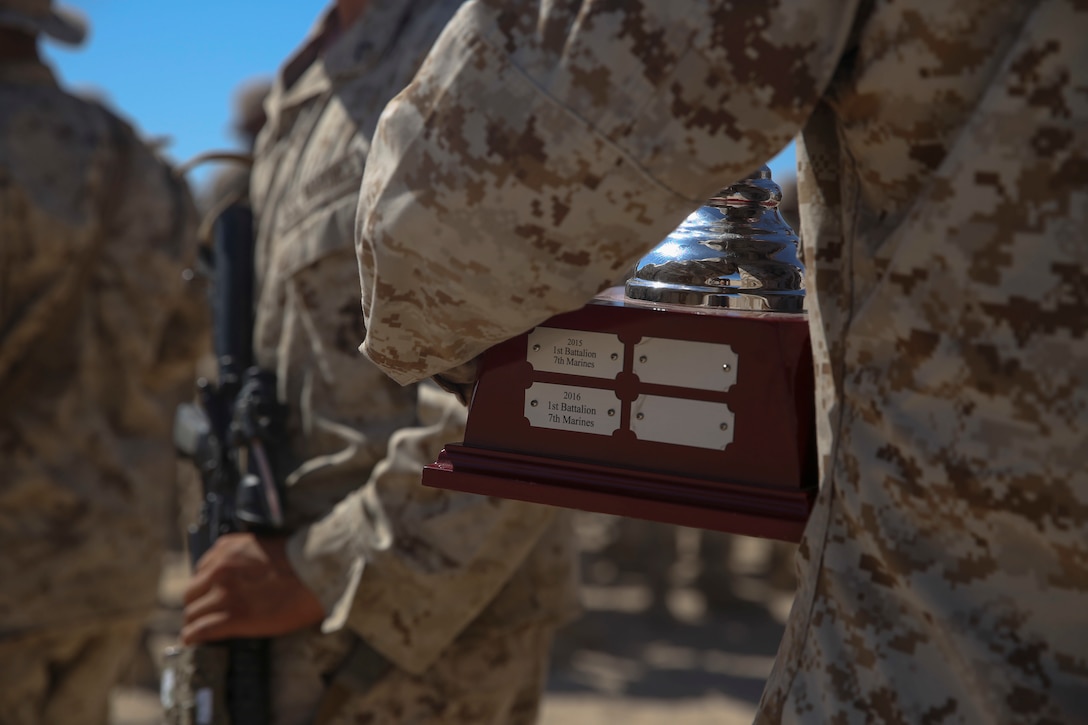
235,438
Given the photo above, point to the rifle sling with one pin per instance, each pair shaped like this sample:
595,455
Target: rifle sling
361,670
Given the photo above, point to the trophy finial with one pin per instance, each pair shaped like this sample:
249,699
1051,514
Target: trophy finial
735,252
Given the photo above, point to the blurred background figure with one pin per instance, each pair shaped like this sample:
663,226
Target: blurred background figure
641,556
672,572
98,332
789,205
384,601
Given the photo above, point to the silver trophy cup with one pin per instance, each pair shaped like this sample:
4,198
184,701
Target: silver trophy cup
736,252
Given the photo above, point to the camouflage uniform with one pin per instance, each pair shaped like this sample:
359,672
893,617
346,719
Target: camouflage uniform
438,583
98,334
944,200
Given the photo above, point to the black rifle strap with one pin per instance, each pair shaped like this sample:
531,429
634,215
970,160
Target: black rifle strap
363,668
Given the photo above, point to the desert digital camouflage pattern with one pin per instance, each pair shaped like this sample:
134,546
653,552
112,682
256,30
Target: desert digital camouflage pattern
99,331
450,585
944,203
407,569
65,674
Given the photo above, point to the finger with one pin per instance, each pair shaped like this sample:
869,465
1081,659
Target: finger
199,585
215,601
215,553
210,628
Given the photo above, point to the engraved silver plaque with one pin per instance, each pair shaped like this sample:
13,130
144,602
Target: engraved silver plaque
695,423
575,352
568,407
685,364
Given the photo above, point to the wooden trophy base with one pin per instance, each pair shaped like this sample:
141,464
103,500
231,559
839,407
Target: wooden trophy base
692,416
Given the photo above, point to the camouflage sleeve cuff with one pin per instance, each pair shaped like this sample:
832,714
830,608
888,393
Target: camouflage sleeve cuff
410,609
407,567
327,558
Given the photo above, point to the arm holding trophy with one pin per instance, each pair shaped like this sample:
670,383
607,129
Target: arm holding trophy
941,176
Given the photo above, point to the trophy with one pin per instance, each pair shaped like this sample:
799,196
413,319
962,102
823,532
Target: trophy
684,397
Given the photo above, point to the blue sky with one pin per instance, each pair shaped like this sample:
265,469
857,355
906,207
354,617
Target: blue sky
172,67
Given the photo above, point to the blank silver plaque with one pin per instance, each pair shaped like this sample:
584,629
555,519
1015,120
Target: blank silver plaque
694,423
685,364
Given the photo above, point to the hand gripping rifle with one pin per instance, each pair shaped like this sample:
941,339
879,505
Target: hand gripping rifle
235,438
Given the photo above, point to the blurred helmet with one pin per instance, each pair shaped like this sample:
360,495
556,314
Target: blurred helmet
41,17
248,113
788,207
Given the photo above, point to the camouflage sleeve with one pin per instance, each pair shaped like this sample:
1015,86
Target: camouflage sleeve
543,147
408,567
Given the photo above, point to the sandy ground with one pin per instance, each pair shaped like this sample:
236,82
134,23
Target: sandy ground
680,662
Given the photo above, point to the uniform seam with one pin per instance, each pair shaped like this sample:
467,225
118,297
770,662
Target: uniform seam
832,493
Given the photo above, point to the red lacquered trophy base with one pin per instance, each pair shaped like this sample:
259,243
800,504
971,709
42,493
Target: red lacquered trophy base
692,416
